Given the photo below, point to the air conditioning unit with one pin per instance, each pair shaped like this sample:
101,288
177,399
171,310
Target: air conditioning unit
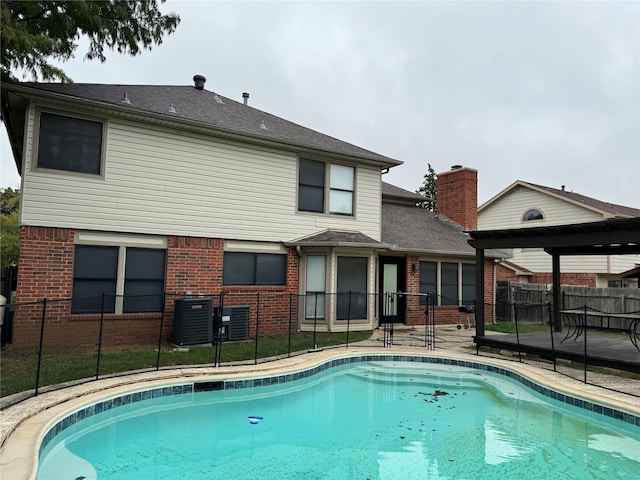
193,321
235,322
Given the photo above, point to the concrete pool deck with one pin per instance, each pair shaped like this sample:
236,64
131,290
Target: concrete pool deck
23,426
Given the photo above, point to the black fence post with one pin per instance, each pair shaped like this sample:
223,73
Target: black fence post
218,350
348,318
164,308
315,320
585,343
44,313
553,346
100,337
290,321
255,354
515,317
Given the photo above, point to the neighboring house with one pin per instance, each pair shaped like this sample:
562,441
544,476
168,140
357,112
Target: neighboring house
524,204
140,190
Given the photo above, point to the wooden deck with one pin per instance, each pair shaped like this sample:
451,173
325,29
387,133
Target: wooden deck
611,351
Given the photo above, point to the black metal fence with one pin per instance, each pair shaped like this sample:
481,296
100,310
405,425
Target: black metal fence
195,330
582,342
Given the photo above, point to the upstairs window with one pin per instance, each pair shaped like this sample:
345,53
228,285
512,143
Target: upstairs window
70,144
532,214
319,181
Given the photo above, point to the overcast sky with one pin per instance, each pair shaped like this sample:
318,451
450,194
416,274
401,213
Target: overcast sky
545,92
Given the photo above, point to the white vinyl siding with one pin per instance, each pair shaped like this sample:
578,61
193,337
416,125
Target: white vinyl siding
168,182
507,211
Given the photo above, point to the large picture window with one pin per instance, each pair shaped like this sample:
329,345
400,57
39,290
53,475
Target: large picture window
352,288
316,183
131,279
241,268
70,144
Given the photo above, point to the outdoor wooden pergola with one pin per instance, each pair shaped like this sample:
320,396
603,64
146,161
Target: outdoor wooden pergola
620,236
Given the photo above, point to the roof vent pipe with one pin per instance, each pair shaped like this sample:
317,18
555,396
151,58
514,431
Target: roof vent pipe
245,96
563,186
198,81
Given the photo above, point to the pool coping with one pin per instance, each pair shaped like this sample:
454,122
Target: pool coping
26,424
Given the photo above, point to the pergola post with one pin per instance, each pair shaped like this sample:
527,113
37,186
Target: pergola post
555,265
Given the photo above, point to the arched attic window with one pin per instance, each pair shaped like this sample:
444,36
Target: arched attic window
532,214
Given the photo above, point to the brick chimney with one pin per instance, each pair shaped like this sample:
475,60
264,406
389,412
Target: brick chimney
458,196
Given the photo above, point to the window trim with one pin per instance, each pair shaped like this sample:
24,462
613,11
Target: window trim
35,167
326,208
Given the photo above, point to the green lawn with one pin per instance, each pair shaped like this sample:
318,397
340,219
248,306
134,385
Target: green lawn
18,370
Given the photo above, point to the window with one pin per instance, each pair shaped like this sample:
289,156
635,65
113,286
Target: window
341,190
136,273
449,283
242,268
143,280
315,286
468,283
315,184
70,144
352,288
428,279
532,214
447,286
95,271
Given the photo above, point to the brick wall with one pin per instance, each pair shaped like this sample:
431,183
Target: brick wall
193,264
506,274
446,314
458,196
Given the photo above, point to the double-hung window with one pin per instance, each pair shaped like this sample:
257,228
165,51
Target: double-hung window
129,279
325,187
70,144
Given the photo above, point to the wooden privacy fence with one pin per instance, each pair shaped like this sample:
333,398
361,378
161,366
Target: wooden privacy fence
526,300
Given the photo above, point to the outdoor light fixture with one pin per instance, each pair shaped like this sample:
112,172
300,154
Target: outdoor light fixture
414,267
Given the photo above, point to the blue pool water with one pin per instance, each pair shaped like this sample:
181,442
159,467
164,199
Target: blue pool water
363,421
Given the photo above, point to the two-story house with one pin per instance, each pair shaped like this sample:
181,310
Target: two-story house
524,204
134,192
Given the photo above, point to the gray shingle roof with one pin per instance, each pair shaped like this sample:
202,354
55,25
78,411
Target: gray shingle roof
391,193
414,229
612,208
204,107
336,238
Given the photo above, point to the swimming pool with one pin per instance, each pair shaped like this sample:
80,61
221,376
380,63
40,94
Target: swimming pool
368,417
